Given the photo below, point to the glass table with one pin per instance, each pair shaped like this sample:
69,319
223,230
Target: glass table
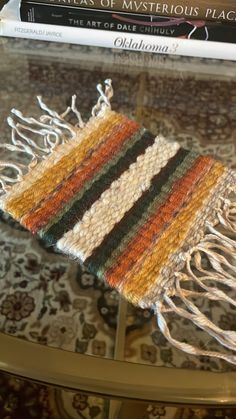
59,324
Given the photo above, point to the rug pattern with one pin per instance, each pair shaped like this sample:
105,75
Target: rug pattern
48,299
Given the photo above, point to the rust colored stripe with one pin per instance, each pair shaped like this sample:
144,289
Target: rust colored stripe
147,237
22,204
141,280
39,217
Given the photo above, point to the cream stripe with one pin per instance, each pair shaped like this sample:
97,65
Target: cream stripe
110,208
61,151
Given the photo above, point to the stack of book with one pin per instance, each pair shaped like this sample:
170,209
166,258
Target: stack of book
202,28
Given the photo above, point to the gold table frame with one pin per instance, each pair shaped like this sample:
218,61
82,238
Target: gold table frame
116,379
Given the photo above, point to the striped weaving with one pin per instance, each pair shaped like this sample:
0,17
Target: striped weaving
140,212
120,200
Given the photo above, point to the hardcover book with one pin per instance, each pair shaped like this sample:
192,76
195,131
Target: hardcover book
203,9
128,23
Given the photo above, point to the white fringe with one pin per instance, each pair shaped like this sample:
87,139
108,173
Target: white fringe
53,130
218,246
219,250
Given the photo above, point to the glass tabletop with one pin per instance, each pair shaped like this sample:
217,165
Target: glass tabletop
49,300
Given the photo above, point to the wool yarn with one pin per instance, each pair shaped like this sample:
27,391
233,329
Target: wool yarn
135,209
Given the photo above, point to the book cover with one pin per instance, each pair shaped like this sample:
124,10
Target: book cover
200,9
128,23
122,41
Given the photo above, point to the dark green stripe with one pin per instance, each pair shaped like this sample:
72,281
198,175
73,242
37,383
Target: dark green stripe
158,201
114,127
115,241
120,126
111,171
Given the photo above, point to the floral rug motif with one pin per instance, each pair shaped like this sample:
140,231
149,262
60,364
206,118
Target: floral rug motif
22,399
48,299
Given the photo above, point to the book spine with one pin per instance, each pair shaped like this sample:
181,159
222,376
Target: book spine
123,41
215,10
129,23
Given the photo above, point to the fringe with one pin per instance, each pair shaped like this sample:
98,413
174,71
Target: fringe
52,130
218,249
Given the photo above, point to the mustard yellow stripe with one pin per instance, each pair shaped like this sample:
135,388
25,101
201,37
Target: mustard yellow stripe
142,278
60,151
52,176
197,226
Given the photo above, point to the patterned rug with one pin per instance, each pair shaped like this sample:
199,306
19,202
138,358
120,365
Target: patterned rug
21,399
52,301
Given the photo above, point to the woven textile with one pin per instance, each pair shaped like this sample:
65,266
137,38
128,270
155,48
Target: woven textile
131,206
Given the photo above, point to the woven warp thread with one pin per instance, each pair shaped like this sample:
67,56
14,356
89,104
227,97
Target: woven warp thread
136,210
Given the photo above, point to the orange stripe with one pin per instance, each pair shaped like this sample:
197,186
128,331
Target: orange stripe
51,176
147,236
39,217
142,279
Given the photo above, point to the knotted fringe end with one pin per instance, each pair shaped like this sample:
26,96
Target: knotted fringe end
210,263
51,130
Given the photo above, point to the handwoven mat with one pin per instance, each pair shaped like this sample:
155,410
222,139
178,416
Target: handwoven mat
47,299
